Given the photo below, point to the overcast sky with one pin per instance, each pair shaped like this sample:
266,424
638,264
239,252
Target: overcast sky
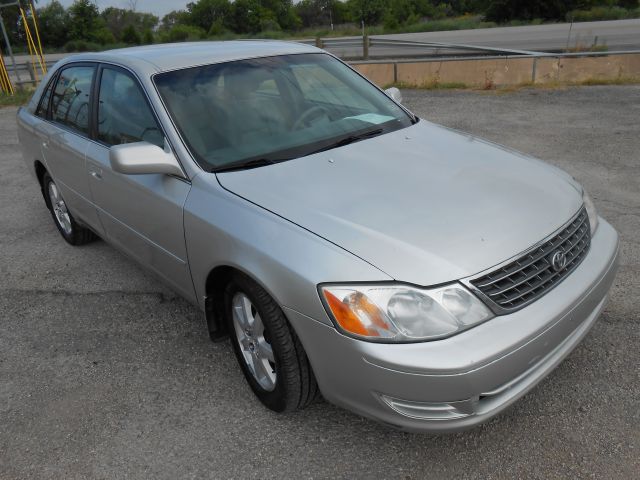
157,7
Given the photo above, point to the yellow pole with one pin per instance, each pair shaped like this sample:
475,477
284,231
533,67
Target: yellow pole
3,82
3,86
30,44
7,86
35,27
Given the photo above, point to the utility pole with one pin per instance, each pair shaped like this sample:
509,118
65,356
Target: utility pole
6,40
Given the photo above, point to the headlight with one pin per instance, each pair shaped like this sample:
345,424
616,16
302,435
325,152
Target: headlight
387,313
591,211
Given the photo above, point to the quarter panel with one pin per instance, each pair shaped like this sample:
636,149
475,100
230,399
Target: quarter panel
29,139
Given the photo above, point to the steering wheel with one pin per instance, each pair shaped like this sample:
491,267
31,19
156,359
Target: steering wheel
307,115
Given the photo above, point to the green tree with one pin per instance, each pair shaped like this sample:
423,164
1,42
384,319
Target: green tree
369,11
313,12
53,23
505,10
176,17
147,37
630,4
118,19
130,35
245,16
84,20
204,13
183,33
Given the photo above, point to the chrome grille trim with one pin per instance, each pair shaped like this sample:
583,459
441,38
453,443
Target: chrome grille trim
521,281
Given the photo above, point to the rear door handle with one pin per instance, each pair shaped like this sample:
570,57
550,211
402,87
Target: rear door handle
45,144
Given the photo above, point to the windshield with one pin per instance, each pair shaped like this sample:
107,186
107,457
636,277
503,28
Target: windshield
273,109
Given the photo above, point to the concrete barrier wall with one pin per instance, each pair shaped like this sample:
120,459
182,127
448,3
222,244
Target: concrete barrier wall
487,73
580,69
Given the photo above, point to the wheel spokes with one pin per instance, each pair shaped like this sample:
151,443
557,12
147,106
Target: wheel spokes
250,333
265,350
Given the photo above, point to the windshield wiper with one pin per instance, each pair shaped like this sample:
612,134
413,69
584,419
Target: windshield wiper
244,165
349,139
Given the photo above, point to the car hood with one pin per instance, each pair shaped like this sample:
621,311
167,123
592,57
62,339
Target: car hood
425,204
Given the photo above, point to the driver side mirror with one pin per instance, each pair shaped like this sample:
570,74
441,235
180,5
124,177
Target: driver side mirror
395,94
143,158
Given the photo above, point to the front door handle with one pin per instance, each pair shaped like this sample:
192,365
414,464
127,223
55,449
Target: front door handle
96,175
45,144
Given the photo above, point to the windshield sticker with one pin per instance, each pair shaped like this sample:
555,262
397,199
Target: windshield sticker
373,118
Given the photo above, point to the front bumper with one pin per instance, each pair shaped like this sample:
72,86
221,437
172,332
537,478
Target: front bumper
462,381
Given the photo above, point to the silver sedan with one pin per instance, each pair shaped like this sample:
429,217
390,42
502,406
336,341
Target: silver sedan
413,274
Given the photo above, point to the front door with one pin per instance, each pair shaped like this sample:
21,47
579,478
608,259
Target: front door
141,214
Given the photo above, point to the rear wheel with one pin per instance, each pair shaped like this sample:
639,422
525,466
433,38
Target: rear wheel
70,230
268,350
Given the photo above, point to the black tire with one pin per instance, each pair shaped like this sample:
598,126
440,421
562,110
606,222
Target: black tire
76,234
295,384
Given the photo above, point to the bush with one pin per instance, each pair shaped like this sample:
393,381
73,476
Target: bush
103,36
183,33
390,22
131,36
601,13
147,37
269,25
81,46
217,29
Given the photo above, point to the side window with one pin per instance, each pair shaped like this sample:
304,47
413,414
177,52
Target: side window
124,116
43,106
70,104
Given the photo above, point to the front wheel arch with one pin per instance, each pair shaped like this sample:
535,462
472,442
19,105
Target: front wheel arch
215,286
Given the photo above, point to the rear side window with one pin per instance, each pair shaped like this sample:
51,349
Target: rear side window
71,97
43,106
124,116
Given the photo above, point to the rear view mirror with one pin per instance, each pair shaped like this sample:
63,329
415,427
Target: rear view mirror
394,93
143,158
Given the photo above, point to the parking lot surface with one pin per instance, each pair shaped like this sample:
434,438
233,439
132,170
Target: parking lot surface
105,373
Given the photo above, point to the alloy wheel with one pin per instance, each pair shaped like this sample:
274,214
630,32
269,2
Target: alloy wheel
253,340
59,209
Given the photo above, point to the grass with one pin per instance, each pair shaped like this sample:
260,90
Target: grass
21,97
431,85
603,13
608,81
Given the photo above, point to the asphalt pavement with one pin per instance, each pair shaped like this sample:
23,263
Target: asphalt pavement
104,373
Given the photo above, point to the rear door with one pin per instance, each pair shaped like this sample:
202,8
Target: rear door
65,137
141,214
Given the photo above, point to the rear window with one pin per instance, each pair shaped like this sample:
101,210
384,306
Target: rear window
43,106
71,98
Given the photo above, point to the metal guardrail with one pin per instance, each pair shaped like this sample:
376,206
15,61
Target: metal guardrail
25,73
435,49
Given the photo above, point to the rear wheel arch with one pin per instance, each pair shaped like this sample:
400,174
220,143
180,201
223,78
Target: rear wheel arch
40,170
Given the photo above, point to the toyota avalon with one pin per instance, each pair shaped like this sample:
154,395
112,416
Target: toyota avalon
413,274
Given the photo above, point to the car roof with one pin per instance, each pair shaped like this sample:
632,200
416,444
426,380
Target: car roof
172,56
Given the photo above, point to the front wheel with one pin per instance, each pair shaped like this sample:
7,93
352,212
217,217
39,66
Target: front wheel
268,350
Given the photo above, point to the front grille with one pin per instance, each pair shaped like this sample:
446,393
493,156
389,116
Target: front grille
526,279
